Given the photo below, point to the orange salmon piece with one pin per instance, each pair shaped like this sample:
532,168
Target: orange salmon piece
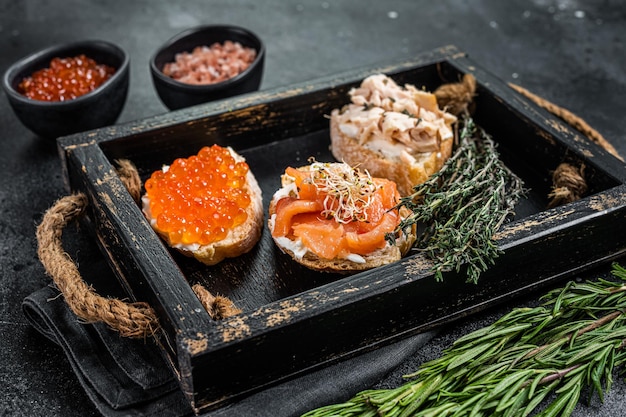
325,238
306,189
388,192
287,208
364,243
386,197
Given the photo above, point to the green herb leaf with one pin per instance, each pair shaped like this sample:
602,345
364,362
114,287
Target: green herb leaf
463,205
516,371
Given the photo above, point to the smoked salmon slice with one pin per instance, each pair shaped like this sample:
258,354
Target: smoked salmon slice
334,219
287,208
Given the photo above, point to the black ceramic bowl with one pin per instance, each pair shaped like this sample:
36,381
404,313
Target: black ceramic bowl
176,95
98,108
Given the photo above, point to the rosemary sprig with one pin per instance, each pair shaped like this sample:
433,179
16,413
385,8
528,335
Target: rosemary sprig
530,360
463,205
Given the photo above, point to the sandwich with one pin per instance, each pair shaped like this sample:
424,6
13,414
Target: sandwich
329,216
208,206
394,132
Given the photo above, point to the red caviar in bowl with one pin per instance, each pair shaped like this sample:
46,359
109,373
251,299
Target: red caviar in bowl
197,200
65,79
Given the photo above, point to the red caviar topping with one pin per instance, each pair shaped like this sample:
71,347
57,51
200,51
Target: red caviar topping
200,198
65,79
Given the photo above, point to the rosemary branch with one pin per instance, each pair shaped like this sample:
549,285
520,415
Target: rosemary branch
463,205
529,358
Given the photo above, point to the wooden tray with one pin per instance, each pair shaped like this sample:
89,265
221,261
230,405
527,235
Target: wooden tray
295,320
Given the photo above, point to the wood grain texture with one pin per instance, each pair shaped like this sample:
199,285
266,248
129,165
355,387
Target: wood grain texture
293,319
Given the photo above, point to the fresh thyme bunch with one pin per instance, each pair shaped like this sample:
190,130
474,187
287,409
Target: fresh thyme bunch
573,341
463,205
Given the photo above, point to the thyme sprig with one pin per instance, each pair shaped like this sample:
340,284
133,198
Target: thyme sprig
532,360
463,205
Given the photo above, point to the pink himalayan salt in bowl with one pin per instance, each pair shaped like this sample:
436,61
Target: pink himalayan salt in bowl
210,64
176,94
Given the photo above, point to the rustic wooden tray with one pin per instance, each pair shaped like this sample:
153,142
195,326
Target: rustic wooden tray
295,320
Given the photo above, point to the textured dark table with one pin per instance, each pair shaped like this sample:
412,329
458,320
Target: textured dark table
570,52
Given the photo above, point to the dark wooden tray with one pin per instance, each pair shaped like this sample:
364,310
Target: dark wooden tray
295,320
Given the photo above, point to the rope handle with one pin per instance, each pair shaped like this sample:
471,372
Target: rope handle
138,319
130,319
569,117
568,180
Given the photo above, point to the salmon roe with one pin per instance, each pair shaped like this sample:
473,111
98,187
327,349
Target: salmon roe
65,79
197,200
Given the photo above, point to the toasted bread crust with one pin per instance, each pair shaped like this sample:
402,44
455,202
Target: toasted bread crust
348,149
380,257
239,240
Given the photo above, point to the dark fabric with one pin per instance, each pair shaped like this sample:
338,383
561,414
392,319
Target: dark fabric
121,376
129,377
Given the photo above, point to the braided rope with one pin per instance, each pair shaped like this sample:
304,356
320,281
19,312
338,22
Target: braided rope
570,118
568,181
218,307
457,98
130,319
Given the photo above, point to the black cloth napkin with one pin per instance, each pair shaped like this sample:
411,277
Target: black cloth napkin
128,377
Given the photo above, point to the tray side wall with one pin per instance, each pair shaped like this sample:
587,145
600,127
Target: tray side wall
348,316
